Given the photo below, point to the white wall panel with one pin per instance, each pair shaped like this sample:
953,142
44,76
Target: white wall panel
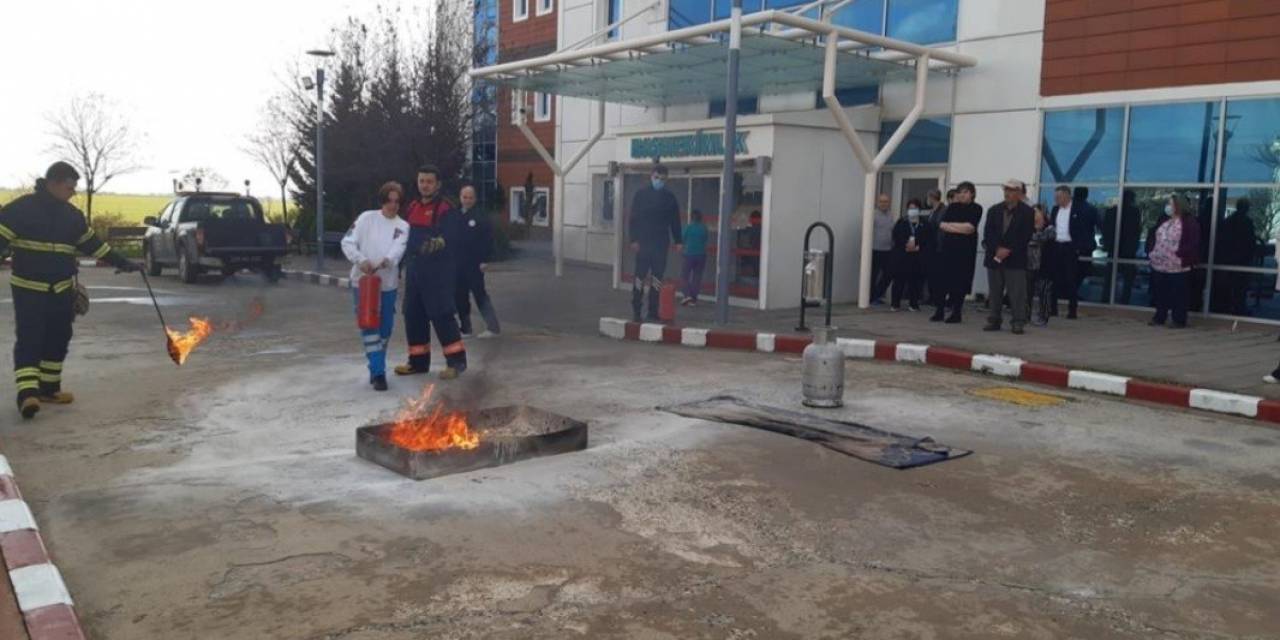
1007,75
989,148
991,18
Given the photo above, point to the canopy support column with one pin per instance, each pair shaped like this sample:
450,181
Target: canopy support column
871,165
560,171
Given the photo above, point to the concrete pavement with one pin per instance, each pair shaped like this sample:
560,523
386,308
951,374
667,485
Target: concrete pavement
223,498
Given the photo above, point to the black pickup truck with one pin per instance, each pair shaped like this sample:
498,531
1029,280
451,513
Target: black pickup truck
210,231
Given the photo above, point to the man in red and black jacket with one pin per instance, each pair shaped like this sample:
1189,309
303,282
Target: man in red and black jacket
430,278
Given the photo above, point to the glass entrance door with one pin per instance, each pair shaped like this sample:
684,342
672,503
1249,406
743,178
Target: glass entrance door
915,183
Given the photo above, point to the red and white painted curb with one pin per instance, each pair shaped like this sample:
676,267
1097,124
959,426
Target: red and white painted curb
318,278
42,596
998,365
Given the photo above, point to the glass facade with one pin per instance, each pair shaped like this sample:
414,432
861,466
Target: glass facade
484,106
928,143
1223,156
918,21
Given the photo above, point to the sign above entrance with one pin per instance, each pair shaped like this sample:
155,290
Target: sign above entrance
694,145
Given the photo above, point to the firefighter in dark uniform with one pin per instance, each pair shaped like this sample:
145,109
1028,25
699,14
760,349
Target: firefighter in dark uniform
430,278
655,216
45,232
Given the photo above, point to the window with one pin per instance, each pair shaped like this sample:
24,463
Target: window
519,10
541,107
612,14
922,21
688,13
516,106
602,202
1252,141
518,208
1172,143
1082,145
545,6
928,143
851,97
863,15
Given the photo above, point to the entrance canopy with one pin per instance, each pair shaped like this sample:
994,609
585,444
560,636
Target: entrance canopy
781,53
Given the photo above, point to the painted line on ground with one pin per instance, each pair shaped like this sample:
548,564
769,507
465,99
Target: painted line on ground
993,364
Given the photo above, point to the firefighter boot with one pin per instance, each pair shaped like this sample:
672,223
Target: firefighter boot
453,371
410,369
57,397
29,406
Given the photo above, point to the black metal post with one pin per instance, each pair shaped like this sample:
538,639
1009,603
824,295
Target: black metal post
828,272
726,178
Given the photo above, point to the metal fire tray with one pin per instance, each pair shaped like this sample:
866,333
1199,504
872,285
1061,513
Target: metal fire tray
507,434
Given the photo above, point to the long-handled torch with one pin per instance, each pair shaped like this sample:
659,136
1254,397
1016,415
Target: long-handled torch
168,339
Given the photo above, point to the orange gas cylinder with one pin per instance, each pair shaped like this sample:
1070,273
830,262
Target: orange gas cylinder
368,314
667,302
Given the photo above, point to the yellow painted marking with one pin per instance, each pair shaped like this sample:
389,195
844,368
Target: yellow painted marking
1020,397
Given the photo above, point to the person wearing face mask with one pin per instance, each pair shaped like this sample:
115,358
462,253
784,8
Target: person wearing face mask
1174,248
654,226
46,232
912,241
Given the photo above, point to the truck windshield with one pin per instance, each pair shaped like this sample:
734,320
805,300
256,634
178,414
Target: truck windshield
205,210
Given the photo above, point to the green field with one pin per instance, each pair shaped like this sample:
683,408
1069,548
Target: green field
131,209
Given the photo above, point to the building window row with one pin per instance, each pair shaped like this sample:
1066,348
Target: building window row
1222,155
520,8
918,21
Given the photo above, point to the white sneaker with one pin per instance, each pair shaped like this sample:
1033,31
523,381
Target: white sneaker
486,334
1270,379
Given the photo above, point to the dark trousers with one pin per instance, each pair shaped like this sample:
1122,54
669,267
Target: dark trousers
949,300
1169,293
908,279
1066,276
471,284
881,273
933,271
1001,281
417,327
42,322
691,275
651,264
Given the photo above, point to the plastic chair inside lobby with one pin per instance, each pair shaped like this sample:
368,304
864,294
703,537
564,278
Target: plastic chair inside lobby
780,51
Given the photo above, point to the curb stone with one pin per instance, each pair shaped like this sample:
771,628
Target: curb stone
1053,375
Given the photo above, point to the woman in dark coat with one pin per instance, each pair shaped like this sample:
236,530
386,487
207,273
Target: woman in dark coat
959,252
911,241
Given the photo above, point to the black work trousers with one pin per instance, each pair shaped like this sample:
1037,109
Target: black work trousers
651,267
471,284
43,326
418,324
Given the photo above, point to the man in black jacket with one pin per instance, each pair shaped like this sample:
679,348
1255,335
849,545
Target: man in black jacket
46,232
1004,238
473,256
1075,239
654,227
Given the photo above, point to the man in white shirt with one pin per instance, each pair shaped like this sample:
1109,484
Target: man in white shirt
374,245
1074,221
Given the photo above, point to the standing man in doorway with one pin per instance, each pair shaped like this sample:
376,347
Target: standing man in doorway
882,248
430,280
654,227
933,255
1074,221
1005,239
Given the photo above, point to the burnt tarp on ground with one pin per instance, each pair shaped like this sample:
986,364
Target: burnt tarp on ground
850,438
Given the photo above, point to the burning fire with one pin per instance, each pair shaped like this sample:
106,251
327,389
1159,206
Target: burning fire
181,344
425,426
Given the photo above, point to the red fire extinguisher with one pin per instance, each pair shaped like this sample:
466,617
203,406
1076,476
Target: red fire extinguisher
368,313
667,302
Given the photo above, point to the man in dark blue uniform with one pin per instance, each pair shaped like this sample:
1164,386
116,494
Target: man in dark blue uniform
430,277
474,253
654,227
46,232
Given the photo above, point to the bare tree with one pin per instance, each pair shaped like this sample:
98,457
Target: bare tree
202,179
91,134
275,148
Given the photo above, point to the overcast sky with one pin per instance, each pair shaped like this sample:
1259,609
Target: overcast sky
192,76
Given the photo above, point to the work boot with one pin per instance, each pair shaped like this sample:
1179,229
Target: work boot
451,373
379,383
57,397
409,370
954,318
29,406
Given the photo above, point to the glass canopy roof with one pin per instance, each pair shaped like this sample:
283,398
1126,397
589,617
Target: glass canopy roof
684,73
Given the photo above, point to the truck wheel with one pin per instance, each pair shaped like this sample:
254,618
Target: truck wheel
186,270
153,267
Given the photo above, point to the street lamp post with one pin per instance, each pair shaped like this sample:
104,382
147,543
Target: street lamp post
320,54
727,177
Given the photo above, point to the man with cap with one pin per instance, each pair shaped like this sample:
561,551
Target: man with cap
46,232
1005,238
